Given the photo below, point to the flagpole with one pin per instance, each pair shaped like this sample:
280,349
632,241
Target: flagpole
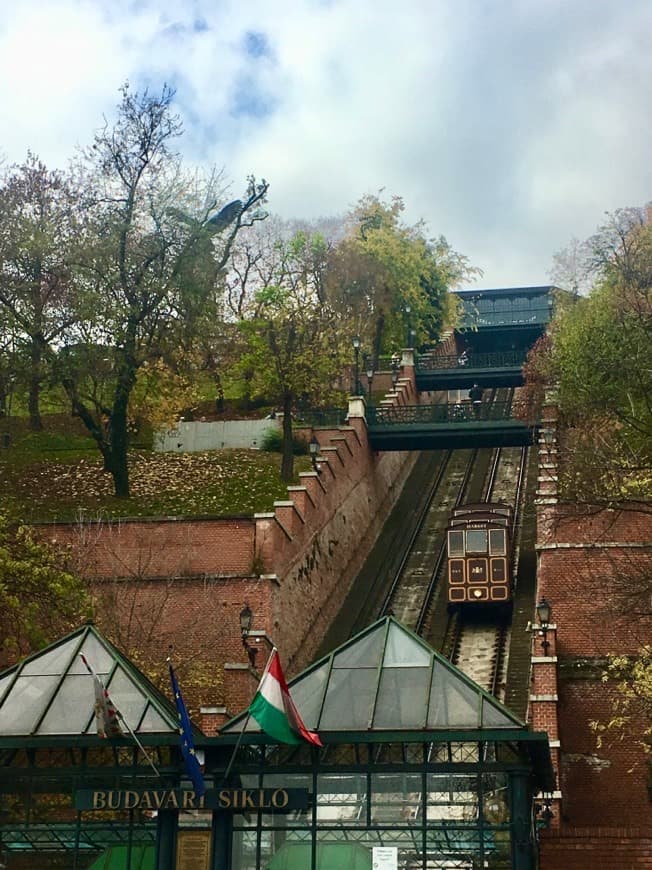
246,722
119,716
139,745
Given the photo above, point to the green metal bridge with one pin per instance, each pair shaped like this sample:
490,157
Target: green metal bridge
445,427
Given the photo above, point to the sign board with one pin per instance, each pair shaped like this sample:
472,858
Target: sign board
384,858
237,800
193,850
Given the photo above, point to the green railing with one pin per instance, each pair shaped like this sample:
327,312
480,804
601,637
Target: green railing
462,412
332,417
507,359
514,316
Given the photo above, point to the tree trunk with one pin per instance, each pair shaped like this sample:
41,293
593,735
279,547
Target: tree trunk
287,463
119,441
35,377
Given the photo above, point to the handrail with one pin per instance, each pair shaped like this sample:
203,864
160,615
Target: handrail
496,360
461,412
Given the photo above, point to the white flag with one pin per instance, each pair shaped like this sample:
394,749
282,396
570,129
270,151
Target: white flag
106,715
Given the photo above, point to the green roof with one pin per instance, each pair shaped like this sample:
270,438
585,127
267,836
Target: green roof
388,679
51,693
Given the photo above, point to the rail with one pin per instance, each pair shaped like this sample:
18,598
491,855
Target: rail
506,359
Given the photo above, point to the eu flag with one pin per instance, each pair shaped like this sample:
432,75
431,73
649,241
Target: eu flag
187,745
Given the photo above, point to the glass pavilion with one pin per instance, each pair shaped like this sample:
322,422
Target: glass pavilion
420,768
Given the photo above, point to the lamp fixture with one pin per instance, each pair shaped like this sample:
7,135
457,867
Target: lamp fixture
314,449
544,613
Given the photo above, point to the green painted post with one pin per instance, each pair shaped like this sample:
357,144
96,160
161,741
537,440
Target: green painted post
166,839
221,838
523,856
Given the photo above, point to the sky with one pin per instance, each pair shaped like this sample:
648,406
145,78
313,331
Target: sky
508,126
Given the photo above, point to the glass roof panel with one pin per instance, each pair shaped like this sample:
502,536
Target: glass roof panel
53,662
71,707
349,700
153,722
97,655
494,717
402,698
4,684
363,652
127,697
308,695
453,703
24,705
404,651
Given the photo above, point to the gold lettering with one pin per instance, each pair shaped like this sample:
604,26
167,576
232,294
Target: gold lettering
159,797
99,800
131,799
225,799
113,802
171,800
280,798
263,804
145,801
188,800
248,800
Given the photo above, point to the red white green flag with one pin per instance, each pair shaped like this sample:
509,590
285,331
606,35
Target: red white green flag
274,709
106,715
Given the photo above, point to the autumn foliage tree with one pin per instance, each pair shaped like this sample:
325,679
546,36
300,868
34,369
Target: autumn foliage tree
148,265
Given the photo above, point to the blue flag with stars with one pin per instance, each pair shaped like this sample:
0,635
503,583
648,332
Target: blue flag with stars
187,744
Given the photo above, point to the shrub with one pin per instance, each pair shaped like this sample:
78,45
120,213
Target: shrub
272,442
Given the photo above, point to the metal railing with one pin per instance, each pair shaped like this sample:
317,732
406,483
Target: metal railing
321,417
515,316
461,412
494,360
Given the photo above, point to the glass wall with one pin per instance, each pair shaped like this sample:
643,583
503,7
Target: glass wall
431,818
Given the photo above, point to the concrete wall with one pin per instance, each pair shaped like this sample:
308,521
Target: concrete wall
194,437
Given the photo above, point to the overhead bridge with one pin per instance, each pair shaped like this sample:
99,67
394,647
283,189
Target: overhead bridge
462,371
445,427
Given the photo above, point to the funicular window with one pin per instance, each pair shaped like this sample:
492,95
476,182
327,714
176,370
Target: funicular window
476,541
456,543
497,542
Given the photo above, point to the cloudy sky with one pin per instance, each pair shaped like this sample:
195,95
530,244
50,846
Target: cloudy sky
510,126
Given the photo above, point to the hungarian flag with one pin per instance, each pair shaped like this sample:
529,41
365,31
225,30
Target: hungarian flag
106,715
274,709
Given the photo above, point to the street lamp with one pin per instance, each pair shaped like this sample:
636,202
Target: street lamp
408,309
544,612
370,376
314,448
395,370
356,351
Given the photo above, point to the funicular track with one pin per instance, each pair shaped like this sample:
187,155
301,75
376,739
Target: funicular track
477,643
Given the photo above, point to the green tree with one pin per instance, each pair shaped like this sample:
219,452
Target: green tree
150,258
600,355
39,597
295,351
36,228
389,278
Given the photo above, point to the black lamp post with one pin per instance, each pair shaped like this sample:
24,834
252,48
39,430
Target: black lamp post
370,377
544,612
356,351
245,627
313,447
395,371
408,309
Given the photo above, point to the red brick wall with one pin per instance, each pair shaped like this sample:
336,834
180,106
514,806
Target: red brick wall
588,567
158,547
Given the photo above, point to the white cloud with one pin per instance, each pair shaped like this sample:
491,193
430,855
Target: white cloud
509,125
